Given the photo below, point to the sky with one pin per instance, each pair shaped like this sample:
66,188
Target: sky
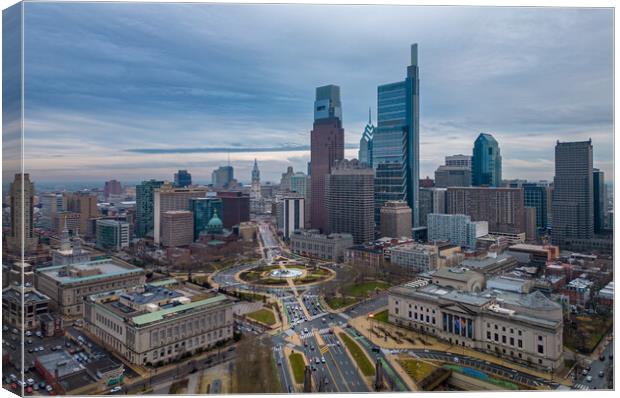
137,91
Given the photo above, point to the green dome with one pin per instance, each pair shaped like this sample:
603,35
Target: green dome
215,224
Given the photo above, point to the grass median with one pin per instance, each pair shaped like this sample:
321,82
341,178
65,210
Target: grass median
298,365
263,315
358,355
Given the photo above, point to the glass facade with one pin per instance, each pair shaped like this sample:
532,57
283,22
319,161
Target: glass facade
395,148
486,162
457,325
203,209
145,207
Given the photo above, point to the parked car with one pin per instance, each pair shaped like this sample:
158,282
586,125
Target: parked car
116,389
589,379
601,374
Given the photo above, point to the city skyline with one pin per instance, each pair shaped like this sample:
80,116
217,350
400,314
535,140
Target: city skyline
164,94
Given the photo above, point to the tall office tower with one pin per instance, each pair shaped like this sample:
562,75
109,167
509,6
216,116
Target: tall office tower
600,207
452,176
300,183
573,196
222,177
255,191
292,217
51,204
396,220
432,201
112,234
177,228
530,223
536,195
144,207
486,163
167,198
365,151
285,181
85,205
501,207
326,147
182,179
235,208
459,161
112,187
350,200
203,210
21,237
457,229
396,143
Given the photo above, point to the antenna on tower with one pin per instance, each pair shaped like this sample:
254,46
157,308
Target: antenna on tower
369,118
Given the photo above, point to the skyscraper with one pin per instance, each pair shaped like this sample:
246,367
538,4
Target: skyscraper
432,201
326,147
300,183
365,151
21,193
486,163
85,205
203,210
535,195
145,207
285,180
182,179
255,191
166,198
222,176
112,187
573,196
600,208
350,200
396,142
396,220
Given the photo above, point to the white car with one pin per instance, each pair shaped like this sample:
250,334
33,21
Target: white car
116,389
589,379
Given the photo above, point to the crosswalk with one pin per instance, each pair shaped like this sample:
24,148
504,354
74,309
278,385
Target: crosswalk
580,386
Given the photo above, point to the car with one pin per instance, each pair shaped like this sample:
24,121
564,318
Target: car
48,388
42,384
30,350
317,360
35,387
338,343
589,368
28,333
589,379
5,328
14,331
323,359
584,372
601,374
58,347
38,334
279,362
455,359
13,386
601,357
305,343
29,341
312,347
323,320
376,349
116,389
30,382
305,330
611,356
29,390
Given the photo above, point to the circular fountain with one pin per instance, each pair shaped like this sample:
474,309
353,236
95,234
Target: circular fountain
286,273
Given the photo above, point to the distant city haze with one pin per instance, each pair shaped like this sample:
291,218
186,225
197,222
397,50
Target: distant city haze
139,91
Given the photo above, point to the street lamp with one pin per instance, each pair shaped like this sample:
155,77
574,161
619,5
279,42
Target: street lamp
371,316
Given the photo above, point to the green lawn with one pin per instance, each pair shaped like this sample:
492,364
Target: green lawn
382,316
339,302
365,288
358,355
298,365
263,315
416,369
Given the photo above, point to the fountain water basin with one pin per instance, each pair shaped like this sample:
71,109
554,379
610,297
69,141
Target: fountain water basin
286,273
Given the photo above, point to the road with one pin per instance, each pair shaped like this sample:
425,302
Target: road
597,366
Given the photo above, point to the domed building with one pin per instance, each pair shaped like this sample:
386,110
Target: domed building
215,226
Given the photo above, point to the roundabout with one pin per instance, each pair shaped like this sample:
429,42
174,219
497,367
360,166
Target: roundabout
286,273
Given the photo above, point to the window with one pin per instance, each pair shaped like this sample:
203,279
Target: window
396,310
512,341
495,327
539,338
504,339
540,349
488,335
409,314
496,337
512,330
503,328
520,343
520,333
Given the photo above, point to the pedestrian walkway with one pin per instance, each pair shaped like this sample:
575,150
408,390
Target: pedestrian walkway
579,386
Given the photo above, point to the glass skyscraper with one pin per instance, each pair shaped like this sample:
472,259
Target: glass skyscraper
145,207
365,151
396,142
203,210
486,162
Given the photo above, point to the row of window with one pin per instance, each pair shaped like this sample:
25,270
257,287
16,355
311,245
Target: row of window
189,326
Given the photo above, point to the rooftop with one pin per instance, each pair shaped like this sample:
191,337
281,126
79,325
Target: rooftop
151,317
88,271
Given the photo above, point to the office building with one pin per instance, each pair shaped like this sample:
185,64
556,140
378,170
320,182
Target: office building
21,197
365,151
66,220
21,307
182,179
536,195
311,243
396,220
457,229
85,205
432,200
529,223
573,196
203,210
112,234
145,208
452,176
67,285
112,188
51,205
222,177
600,203
415,258
177,228
285,180
522,328
326,148
350,200
486,162
292,217
459,161
235,208
156,325
300,183
396,141
502,208
166,198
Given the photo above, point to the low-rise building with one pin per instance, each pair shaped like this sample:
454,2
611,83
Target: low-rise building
522,328
458,278
155,325
311,243
112,234
578,291
416,257
18,300
67,285
491,263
